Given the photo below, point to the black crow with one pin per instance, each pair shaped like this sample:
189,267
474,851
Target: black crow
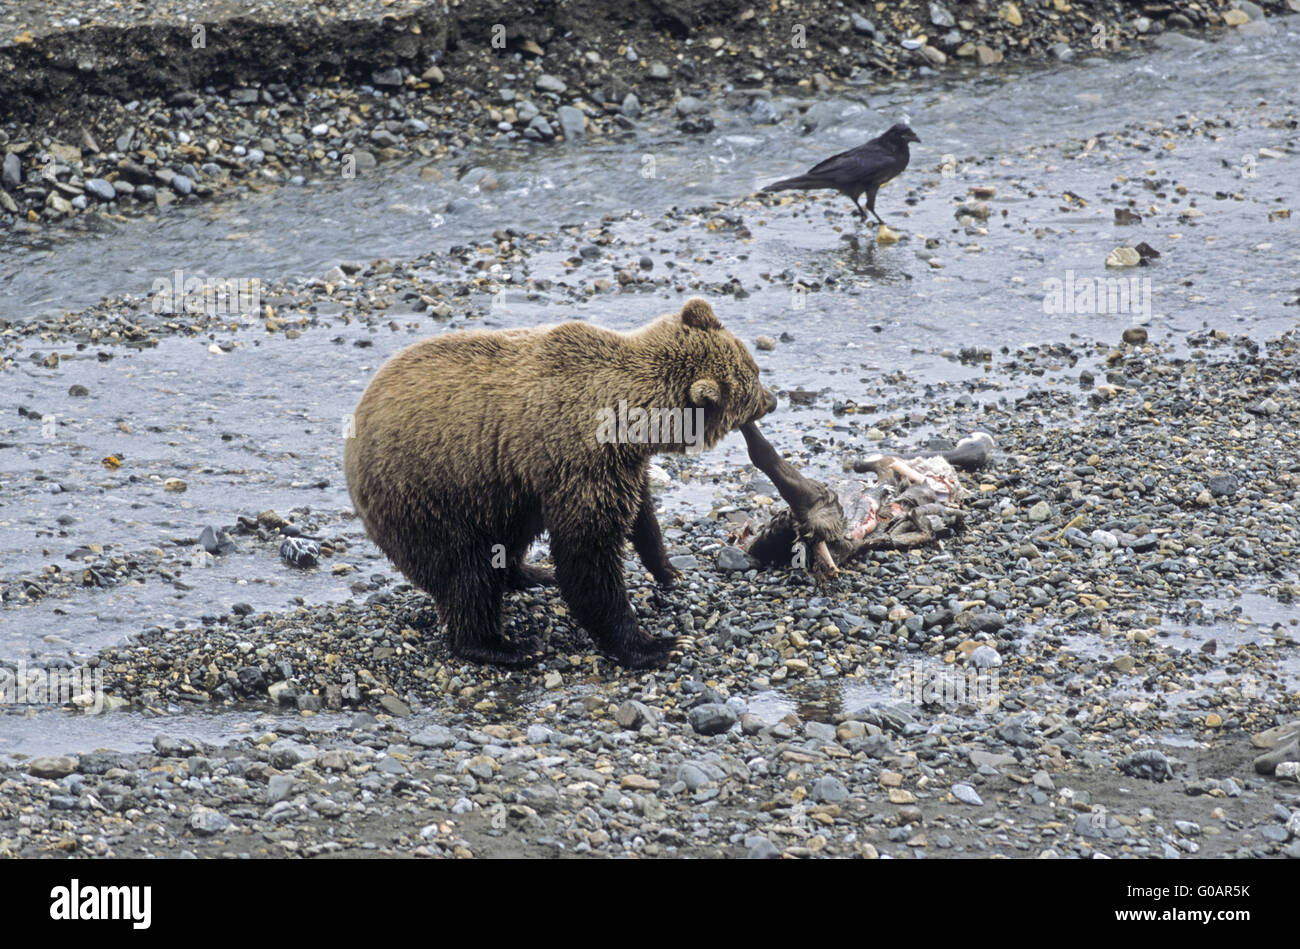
858,171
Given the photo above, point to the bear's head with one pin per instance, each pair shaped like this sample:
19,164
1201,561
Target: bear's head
712,371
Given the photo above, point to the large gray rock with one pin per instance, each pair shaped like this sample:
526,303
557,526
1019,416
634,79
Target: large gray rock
549,83
830,790
101,189
541,128
11,171
572,123
52,766
206,822
733,558
689,105
286,753
712,718
392,76
435,736
861,25
941,16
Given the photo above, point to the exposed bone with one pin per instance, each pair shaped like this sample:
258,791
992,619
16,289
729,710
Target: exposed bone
885,465
825,563
818,517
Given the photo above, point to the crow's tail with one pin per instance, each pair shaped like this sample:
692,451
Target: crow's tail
799,181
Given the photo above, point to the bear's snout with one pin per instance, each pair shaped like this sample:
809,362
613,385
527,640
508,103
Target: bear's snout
763,402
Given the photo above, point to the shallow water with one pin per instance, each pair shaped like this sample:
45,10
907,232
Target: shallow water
258,427
981,119
53,730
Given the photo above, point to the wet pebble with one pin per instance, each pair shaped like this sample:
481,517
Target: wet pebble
300,552
1150,765
207,822
216,541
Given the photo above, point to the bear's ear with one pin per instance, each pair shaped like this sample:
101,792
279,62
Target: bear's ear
705,392
699,314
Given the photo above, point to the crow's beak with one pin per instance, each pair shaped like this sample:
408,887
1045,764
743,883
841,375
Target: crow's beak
913,137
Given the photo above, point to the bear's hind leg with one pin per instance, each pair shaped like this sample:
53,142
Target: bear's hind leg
469,602
523,575
524,531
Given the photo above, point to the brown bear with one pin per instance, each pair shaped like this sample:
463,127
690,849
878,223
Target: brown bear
466,446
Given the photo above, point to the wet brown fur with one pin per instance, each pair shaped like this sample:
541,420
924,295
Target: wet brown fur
467,446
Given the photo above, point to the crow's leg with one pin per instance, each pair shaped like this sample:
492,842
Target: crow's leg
871,205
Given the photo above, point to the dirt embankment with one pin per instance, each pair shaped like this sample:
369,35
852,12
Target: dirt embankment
51,70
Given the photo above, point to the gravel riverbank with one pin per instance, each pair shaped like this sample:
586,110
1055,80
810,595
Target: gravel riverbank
984,698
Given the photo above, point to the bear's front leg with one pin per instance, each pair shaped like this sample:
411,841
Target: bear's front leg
589,568
649,542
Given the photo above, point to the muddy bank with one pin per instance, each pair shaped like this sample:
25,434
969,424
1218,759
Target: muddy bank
112,112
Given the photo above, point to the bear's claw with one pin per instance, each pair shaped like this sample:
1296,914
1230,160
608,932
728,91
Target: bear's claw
655,653
667,576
